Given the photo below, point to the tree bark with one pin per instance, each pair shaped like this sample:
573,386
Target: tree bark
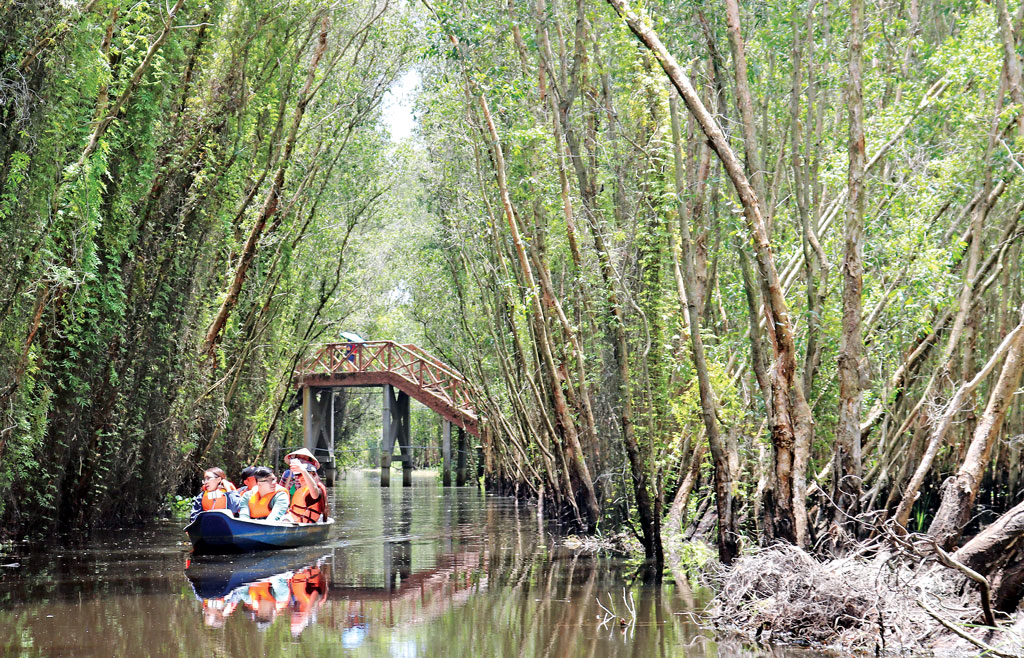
846,481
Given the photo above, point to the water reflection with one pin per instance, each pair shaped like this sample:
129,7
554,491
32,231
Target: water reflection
261,587
421,571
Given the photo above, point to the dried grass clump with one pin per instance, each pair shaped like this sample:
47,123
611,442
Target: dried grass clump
786,593
850,604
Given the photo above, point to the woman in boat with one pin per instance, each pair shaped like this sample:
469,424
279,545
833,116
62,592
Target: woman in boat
288,479
268,501
217,493
309,498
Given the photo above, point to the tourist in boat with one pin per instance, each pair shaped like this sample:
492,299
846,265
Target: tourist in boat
309,497
268,501
288,479
218,493
308,494
248,480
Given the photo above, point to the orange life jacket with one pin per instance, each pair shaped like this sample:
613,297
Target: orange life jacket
263,592
304,508
216,499
259,506
304,584
260,592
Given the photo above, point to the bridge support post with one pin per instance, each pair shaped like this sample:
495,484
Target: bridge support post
446,452
387,446
404,438
395,417
318,426
460,469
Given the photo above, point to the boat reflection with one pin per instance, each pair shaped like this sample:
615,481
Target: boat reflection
261,587
360,596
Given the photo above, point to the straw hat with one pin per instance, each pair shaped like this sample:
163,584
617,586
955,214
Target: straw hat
304,455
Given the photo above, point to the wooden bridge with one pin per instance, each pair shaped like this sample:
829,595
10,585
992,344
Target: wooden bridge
404,372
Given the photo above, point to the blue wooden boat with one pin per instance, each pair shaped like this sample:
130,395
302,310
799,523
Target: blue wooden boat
218,531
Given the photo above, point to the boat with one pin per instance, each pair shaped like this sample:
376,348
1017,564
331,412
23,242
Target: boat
219,531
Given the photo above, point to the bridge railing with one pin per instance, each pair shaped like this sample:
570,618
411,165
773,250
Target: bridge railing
413,364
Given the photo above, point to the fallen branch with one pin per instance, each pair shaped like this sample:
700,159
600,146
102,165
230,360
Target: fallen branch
986,590
962,633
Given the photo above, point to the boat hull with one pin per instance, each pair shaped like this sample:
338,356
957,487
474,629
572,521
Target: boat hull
218,531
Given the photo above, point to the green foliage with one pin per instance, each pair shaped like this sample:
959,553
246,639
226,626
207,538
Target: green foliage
694,558
129,249
179,505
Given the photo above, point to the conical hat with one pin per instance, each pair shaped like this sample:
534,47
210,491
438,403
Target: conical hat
305,454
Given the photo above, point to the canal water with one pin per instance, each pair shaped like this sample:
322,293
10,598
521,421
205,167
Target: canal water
408,572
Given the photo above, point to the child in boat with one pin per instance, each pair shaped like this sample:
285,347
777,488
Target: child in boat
268,500
217,493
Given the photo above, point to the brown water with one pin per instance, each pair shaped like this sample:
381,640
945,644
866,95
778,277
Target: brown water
423,571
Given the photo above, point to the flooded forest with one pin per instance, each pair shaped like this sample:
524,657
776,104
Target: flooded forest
738,286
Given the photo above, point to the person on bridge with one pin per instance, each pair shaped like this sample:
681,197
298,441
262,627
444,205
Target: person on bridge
308,494
217,493
268,501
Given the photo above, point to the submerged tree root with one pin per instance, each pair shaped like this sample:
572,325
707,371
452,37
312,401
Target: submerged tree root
886,604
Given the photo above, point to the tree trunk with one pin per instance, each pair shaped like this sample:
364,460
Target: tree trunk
943,425
270,204
959,491
577,461
728,537
846,481
998,552
645,502
746,106
816,264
